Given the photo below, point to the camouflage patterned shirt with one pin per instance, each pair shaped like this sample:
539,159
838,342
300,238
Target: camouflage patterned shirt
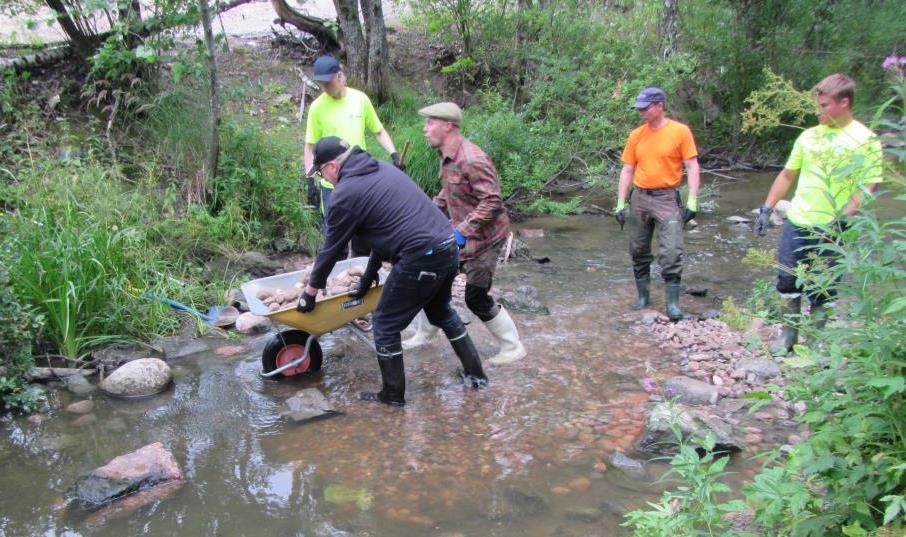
471,195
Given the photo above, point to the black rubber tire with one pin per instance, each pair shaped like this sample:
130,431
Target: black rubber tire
283,339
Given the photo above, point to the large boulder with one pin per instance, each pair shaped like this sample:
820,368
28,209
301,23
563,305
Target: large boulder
144,468
658,437
689,390
139,378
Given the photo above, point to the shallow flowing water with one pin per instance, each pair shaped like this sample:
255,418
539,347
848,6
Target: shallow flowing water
523,457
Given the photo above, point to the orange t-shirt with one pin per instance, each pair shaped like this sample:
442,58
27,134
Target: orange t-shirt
658,154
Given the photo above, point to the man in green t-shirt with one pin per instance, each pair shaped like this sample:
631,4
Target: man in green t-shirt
834,162
343,112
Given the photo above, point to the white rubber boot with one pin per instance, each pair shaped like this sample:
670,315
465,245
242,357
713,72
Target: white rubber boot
504,330
424,331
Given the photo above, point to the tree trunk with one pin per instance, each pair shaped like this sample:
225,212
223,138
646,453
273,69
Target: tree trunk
311,25
670,29
378,52
82,43
356,47
214,93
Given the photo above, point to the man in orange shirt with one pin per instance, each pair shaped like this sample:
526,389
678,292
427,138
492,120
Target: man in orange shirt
653,161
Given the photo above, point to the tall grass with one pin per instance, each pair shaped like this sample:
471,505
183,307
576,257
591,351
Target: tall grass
401,119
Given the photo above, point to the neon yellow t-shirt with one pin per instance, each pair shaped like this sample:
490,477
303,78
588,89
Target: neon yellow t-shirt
346,118
832,164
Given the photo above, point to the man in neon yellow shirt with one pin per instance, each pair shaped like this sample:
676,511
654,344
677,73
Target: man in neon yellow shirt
343,112
833,162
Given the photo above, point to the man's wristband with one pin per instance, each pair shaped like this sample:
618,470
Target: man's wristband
692,203
621,204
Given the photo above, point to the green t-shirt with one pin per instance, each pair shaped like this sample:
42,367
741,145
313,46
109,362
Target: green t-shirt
832,164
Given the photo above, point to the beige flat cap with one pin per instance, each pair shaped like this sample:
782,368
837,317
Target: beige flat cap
446,111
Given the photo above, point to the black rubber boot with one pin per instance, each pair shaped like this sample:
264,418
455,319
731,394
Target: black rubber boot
393,377
790,333
472,372
674,313
643,285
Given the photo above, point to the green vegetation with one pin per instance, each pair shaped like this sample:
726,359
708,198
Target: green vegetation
695,506
18,326
87,232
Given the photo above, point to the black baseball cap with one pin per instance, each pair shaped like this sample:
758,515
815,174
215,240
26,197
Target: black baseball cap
325,68
649,96
327,149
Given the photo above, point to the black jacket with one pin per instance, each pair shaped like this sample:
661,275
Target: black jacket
385,208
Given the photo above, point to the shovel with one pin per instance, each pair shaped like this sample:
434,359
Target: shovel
216,315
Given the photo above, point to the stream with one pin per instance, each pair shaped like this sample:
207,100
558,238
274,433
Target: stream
528,456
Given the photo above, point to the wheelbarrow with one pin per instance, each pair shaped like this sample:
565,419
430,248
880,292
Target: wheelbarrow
296,351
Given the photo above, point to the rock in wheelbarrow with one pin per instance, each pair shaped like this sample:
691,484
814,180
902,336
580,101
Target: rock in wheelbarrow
309,405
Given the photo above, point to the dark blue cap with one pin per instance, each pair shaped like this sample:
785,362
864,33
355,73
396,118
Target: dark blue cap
648,96
325,68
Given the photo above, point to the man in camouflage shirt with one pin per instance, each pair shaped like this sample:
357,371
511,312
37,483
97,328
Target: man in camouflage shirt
470,194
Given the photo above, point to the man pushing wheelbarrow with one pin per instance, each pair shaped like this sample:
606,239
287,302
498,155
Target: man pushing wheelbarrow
379,204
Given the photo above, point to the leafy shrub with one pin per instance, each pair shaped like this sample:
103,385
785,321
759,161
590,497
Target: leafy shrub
18,327
260,174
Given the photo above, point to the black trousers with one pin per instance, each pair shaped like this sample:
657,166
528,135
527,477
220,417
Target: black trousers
423,283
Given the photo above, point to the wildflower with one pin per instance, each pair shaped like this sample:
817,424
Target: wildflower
890,62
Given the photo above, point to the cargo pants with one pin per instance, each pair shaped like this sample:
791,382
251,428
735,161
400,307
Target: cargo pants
651,210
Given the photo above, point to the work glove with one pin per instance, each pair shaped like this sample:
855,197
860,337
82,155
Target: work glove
314,195
368,278
620,212
690,210
395,157
763,220
460,239
306,302
688,214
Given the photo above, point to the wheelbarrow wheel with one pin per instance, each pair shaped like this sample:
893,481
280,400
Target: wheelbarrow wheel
288,346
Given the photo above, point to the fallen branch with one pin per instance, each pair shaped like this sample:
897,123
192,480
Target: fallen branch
56,373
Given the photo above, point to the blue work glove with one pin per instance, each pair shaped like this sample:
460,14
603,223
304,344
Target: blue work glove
306,303
460,240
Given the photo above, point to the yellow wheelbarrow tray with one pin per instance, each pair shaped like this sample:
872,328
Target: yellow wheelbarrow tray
297,351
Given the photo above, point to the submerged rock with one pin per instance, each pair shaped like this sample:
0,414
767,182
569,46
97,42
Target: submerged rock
79,385
583,514
139,378
141,469
524,299
308,405
80,407
629,466
658,437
